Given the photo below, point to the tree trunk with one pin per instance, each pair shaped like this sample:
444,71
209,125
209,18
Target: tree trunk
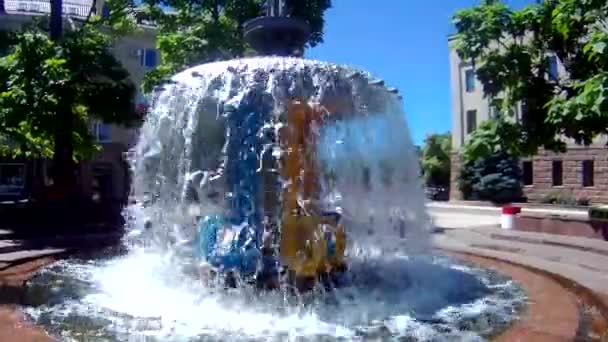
64,191
64,180
56,19
216,12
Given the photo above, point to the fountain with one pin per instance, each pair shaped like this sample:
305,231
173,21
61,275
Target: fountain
287,174
266,142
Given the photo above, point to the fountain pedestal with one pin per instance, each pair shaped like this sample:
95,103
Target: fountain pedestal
279,36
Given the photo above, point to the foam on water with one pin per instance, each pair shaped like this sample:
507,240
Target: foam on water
143,295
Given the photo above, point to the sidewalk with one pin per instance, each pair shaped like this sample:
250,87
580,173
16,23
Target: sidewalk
18,250
584,261
579,213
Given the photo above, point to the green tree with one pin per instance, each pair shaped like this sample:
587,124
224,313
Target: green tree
510,50
435,159
195,32
495,177
50,91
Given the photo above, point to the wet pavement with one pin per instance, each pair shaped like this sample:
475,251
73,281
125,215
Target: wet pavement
581,260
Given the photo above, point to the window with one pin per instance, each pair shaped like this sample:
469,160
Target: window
148,57
528,171
469,80
12,178
367,178
102,132
495,112
552,70
105,11
525,109
587,172
471,120
557,173
141,98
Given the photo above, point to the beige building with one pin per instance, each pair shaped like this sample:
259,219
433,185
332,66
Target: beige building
581,172
105,177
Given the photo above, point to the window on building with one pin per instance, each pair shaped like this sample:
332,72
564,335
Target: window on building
557,173
12,178
552,68
495,112
588,173
367,178
102,132
525,109
105,11
471,120
148,57
528,172
469,76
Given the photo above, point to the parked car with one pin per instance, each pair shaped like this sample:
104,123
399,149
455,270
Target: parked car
437,193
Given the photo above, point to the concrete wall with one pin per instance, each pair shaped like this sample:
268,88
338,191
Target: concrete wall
463,101
572,162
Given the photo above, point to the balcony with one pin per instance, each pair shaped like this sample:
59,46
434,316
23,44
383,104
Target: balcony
72,8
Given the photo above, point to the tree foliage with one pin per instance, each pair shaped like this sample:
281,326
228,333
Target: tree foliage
50,90
194,32
510,49
435,159
496,178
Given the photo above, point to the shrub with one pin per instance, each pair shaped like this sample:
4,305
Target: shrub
496,178
565,198
583,202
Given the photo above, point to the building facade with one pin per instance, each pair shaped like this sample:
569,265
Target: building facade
105,178
581,172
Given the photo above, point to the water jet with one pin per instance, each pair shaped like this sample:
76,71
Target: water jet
253,149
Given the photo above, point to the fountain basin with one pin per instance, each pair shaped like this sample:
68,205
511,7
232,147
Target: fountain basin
423,300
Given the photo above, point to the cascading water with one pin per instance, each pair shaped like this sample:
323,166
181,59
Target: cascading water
223,119
216,143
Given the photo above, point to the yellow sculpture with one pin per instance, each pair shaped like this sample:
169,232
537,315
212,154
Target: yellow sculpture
305,230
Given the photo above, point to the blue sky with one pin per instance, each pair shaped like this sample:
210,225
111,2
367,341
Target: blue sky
405,43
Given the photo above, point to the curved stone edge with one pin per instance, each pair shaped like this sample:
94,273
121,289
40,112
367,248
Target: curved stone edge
583,293
14,325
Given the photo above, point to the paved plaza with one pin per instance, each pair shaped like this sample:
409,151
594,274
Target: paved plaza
476,230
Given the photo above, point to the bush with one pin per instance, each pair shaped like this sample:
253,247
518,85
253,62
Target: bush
496,178
565,198
583,202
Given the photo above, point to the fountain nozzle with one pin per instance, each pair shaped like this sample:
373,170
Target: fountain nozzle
277,33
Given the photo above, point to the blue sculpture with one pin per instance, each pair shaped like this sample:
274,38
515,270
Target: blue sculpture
232,242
